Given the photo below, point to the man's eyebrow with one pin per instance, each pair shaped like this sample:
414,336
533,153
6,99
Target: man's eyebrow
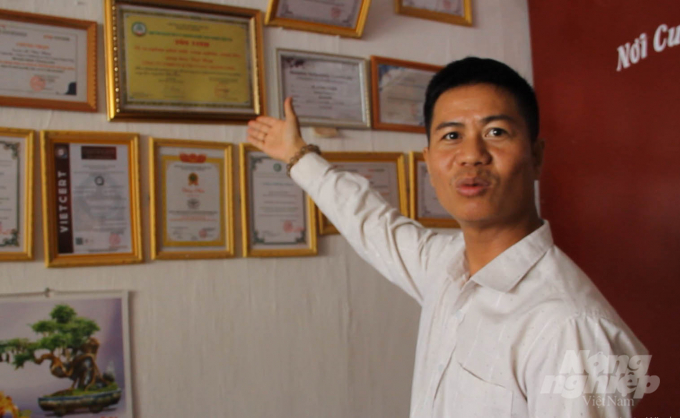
494,118
488,119
449,124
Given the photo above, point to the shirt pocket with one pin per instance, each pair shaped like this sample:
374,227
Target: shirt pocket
475,397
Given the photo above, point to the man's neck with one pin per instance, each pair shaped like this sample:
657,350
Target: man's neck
484,243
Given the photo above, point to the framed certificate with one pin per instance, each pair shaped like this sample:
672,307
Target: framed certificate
458,12
398,89
333,17
424,205
90,198
16,194
191,199
384,170
183,60
277,215
327,90
48,62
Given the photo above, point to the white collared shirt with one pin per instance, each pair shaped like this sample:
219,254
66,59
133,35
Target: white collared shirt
488,346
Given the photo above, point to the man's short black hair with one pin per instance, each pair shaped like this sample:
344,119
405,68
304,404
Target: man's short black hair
473,70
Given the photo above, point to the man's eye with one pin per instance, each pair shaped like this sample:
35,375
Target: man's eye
451,135
496,132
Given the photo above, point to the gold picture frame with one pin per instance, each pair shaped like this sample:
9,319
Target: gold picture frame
441,218
353,28
380,67
464,17
161,65
53,89
100,192
211,158
396,158
304,244
297,61
17,144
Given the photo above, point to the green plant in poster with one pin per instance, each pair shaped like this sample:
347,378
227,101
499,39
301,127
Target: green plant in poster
66,342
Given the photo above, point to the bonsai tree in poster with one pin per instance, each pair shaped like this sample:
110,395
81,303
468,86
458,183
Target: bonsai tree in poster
67,343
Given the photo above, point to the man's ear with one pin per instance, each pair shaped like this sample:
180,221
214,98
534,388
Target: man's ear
426,157
537,150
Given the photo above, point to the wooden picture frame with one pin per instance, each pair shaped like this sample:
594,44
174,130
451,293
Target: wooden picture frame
16,172
294,218
398,180
91,202
422,193
299,72
407,82
205,234
459,13
347,19
66,76
162,66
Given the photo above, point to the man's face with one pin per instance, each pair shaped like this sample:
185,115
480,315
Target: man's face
480,158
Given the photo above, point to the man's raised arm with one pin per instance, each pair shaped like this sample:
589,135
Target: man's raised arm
398,247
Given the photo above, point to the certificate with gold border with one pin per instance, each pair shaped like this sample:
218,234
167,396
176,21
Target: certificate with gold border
48,62
191,199
16,194
333,17
424,204
385,171
277,215
183,60
91,206
457,12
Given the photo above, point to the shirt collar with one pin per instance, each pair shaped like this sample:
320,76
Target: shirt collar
506,270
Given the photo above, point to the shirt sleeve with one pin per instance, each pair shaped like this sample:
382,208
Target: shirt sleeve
588,368
394,244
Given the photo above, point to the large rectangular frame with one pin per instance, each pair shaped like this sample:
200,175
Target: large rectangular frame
90,104
375,92
131,140
26,216
271,19
464,20
363,76
415,157
155,182
312,249
325,226
114,87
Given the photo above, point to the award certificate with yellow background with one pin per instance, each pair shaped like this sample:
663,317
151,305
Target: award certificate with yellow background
184,61
193,210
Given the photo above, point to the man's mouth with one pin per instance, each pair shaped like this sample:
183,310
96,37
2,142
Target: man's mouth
472,186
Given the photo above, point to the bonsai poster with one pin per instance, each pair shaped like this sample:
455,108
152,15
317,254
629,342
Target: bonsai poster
65,355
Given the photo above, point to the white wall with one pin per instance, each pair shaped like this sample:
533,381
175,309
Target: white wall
298,337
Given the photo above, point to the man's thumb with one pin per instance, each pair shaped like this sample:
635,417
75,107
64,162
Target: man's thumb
288,109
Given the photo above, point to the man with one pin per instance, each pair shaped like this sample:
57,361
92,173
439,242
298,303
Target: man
505,314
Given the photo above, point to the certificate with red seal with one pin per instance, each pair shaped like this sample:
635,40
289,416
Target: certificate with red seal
191,199
90,198
47,61
16,194
278,216
336,17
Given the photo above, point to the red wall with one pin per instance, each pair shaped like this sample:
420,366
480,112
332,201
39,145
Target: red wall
611,182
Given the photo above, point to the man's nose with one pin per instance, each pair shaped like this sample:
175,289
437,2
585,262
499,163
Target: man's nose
473,151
